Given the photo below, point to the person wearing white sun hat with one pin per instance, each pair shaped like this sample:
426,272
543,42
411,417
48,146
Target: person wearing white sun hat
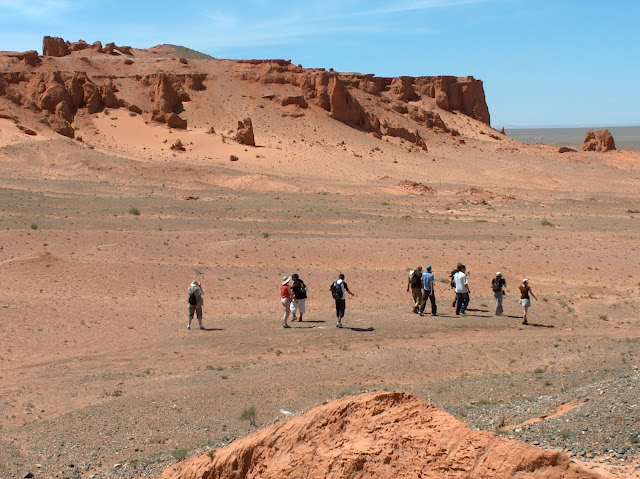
497,284
285,299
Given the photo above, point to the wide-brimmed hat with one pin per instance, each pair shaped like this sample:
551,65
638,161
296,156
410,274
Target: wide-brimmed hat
498,273
285,280
525,280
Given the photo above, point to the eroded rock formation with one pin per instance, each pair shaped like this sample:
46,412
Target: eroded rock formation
244,135
58,47
601,140
386,435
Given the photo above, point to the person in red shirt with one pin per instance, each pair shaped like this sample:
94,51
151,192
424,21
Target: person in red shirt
285,299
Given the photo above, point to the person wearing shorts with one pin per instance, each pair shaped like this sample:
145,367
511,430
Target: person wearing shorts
299,290
196,290
525,291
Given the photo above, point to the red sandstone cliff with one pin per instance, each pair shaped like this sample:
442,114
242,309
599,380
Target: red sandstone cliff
389,435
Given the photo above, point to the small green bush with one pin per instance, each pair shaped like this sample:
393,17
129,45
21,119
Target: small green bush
234,158
249,414
134,211
34,226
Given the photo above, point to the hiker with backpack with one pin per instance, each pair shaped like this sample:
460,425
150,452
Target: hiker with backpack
462,290
415,284
338,290
299,290
428,292
497,284
453,282
195,302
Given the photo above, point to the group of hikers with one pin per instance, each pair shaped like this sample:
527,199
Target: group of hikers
422,286
293,296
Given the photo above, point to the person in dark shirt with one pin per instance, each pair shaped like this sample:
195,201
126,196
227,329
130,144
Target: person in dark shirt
299,290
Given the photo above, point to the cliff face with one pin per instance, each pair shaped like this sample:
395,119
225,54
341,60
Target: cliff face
75,77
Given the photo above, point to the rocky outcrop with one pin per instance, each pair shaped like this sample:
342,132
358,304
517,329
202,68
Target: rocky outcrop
387,435
566,149
244,135
174,121
404,133
403,88
463,94
58,96
295,100
54,47
598,141
30,57
58,47
167,97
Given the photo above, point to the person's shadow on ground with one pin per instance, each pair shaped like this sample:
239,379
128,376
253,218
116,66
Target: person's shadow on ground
361,330
211,329
538,325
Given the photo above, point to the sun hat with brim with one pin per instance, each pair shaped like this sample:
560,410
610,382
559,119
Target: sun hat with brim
285,280
525,280
498,273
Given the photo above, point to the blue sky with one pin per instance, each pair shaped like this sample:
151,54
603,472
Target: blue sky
543,62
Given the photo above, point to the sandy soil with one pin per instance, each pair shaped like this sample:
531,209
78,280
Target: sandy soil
99,376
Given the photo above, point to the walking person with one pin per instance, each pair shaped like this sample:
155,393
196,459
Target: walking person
497,284
428,291
338,290
462,290
285,299
299,290
415,284
453,282
525,291
195,302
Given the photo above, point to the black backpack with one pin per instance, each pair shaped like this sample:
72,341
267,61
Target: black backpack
453,278
193,300
415,279
496,284
336,290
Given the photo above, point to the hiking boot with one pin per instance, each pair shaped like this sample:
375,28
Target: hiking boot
421,314
202,327
188,326
285,326
339,325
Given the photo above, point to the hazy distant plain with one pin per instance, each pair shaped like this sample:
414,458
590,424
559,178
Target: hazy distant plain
625,137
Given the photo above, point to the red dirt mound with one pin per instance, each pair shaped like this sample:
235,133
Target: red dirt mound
386,435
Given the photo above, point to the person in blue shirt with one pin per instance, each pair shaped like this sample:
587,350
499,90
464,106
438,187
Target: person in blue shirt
428,291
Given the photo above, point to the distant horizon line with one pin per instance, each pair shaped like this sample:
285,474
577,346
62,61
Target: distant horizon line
555,127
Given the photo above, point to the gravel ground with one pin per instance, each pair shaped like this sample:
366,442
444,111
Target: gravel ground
601,422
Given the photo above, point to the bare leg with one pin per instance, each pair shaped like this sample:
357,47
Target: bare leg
524,318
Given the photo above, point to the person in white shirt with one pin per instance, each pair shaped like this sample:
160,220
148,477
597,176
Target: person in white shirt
462,290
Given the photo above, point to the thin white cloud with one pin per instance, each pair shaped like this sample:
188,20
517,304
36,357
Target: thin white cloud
34,9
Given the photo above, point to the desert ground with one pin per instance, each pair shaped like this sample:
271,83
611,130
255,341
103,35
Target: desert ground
100,238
